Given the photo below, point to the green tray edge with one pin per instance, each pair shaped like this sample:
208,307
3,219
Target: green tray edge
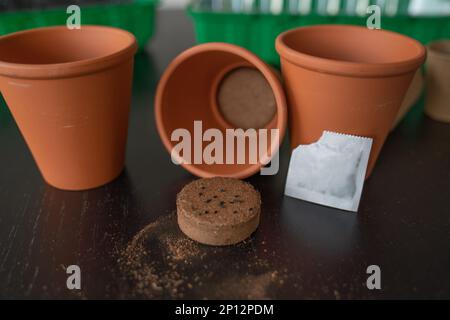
138,17
257,31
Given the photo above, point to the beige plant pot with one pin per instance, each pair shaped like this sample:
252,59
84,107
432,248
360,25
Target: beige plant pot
412,96
438,81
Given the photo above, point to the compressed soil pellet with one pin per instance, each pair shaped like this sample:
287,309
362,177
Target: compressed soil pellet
218,211
246,99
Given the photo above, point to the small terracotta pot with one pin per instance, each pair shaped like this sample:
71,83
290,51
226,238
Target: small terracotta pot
187,92
346,79
69,93
438,81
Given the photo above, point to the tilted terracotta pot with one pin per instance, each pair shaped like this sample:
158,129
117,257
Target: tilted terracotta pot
346,79
438,81
187,92
69,92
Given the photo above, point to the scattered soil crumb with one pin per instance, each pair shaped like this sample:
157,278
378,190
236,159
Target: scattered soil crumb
254,287
160,262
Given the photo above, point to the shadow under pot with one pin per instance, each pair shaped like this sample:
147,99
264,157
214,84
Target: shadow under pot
69,92
346,79
220,111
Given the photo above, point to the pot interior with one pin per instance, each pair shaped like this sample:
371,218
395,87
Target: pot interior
190,94
61,45
352,44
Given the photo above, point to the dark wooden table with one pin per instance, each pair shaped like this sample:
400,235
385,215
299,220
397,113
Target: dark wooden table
300,250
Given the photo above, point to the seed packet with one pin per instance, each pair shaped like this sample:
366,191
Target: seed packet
331,171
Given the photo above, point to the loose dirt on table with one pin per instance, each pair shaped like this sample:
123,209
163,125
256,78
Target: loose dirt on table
161,262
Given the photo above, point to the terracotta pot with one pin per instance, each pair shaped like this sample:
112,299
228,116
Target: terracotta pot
188,91
69,92
438,81
346,79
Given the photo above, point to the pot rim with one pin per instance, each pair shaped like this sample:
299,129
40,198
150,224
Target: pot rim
72,68
347,68
256,62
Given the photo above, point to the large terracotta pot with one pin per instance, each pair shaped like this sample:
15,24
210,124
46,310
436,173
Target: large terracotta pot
346,79
69,93
188,92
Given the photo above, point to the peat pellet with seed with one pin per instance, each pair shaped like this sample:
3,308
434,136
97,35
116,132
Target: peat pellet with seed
218,211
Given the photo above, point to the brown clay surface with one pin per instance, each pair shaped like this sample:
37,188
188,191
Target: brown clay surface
245,99
218,211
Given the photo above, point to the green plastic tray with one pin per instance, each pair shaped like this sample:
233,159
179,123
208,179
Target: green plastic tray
138,17
257,31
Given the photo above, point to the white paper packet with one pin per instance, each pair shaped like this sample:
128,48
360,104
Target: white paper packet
330,171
